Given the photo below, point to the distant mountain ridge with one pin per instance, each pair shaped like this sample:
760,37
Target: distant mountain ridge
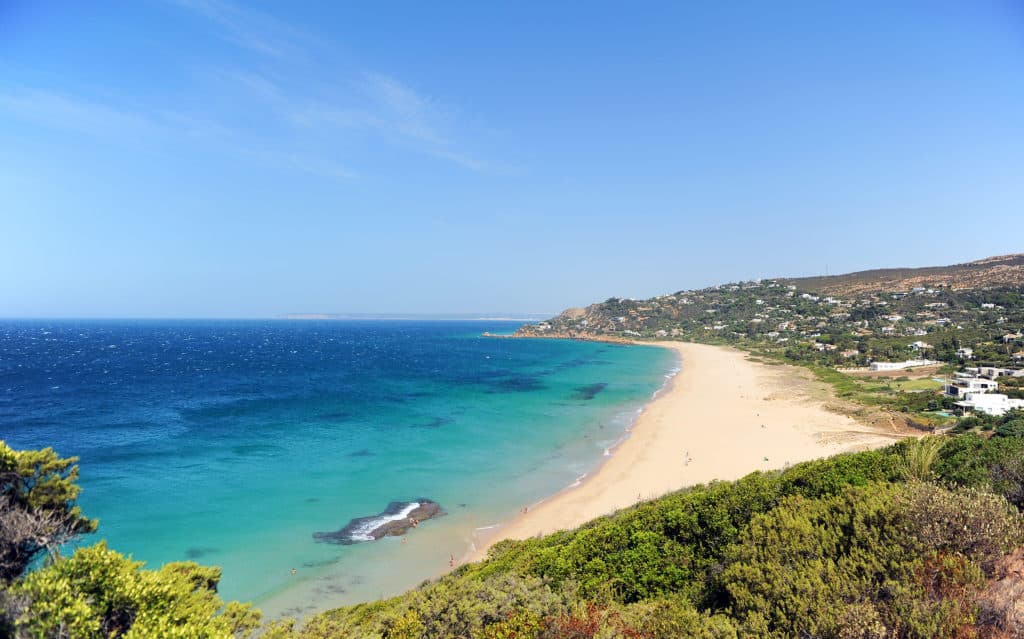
1001,270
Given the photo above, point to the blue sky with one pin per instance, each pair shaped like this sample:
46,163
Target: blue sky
204,158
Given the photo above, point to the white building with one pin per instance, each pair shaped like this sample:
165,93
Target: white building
992,372
895,366
963,386
965,353
989,403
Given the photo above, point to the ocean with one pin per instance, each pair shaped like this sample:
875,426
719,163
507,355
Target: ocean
232,443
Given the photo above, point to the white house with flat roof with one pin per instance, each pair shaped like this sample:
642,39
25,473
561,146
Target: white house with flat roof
989,403
895,366
992,372
963,386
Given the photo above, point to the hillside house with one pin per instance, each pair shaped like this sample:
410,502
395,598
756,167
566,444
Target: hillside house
989,403
963,386
895,366
993,372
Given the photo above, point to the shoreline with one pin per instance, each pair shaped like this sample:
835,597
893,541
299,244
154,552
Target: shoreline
720,417
390,566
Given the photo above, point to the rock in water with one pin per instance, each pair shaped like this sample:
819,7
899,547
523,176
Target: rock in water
396,520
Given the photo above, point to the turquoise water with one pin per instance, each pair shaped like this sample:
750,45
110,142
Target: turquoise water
231,443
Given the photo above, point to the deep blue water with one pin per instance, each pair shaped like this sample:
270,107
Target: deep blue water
232,442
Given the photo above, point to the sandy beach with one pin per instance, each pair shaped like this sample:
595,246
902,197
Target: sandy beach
721,417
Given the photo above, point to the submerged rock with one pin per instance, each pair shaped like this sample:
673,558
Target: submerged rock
396,520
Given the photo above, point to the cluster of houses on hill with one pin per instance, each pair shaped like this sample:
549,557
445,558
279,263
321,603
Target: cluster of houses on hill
975,388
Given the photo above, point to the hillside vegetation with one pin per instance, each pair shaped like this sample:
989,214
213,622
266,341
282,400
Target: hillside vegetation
991,272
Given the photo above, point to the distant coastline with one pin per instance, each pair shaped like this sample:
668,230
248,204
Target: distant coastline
418,317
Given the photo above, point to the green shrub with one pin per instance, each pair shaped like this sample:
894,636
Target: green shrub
99,593
1014,428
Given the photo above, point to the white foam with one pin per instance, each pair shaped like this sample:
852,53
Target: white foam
362,532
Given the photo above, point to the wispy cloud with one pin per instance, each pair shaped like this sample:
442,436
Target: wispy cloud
382,103
403,110
311,127
117,125
306,163
60,111
379,104
251,29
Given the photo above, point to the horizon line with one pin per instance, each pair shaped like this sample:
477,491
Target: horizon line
295,317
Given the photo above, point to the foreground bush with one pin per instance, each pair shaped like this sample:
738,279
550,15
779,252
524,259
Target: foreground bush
99,593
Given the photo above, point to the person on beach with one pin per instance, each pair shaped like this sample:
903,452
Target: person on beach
451,561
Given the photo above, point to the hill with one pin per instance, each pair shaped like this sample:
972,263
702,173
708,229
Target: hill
1002,270
845,320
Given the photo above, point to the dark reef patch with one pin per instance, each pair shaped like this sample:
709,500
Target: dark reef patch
196,553
520,384
362,452
589,391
